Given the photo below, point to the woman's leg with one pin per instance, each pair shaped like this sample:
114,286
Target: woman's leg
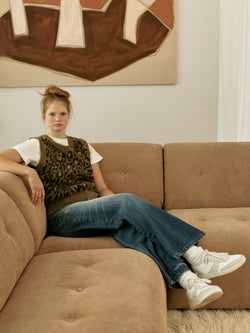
137,224
134,223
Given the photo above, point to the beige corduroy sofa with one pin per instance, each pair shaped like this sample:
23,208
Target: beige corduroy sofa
92,285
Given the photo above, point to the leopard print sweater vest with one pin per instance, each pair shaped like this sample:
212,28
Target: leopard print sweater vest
65,171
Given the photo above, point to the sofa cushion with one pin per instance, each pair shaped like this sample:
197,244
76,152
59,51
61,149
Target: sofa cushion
133,168
227,230
35,216
91,291
199,175
58,244
16,245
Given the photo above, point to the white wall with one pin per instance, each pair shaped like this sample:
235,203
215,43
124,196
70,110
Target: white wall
186,111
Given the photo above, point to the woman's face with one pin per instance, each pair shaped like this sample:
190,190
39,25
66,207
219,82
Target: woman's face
57,118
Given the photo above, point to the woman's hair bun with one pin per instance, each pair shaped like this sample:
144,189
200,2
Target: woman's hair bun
53,93
54,90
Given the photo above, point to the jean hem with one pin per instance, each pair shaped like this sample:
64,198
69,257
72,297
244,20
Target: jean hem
173,284
190,244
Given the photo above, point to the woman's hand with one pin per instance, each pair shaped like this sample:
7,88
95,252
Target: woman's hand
102,188
105,192
36,187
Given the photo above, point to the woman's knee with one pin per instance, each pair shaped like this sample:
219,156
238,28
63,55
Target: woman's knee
127,197
129,201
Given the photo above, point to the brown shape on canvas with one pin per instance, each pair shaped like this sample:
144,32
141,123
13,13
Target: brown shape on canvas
105,53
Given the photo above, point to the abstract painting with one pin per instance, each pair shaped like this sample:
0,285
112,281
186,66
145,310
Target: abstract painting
87,42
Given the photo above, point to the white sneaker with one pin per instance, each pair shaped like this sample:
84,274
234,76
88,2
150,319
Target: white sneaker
199,293
214,264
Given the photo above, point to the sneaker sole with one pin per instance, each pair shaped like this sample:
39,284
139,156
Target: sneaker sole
229,270
207,300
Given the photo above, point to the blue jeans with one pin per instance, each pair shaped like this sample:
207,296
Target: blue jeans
133,223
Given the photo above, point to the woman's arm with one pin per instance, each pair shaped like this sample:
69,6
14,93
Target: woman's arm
11,161
99,181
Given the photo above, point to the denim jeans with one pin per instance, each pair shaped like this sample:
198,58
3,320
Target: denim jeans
133,223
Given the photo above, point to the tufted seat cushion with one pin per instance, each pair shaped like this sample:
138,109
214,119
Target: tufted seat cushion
227,230
88,291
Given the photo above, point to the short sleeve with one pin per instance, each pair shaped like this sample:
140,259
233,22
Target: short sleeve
30,152
94,156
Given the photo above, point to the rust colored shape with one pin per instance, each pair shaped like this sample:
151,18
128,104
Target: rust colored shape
93,4
164,10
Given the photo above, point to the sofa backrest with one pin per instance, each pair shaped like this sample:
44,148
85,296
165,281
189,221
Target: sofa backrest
133,168
22,228
199,175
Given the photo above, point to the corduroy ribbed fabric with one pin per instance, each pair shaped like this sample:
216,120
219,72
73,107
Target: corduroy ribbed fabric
133,168
199,175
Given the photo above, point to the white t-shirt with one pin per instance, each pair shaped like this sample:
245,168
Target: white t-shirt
30,151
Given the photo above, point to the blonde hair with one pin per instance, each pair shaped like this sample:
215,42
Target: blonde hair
54,93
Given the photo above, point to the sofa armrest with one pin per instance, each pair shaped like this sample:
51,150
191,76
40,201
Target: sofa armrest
35,216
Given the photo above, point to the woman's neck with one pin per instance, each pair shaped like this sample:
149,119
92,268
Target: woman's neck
57,135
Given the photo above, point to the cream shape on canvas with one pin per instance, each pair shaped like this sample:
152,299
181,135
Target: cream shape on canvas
134,10
70,29
19,19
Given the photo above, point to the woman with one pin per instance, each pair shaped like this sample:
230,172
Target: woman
64,171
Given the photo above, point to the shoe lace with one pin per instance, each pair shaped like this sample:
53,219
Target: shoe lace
197,280
214,256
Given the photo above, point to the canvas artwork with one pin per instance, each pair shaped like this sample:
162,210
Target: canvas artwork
87,42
